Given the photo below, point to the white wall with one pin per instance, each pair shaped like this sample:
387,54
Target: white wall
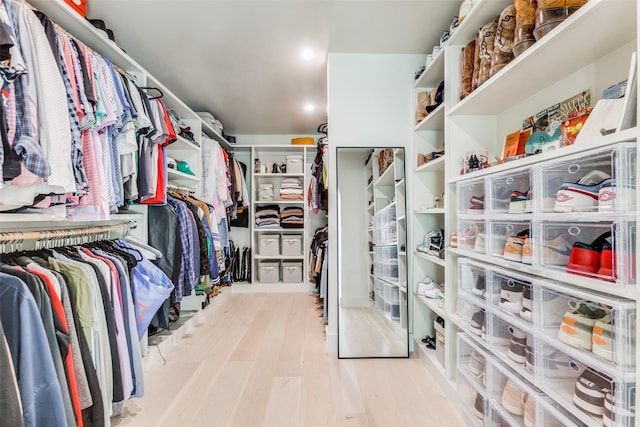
369,105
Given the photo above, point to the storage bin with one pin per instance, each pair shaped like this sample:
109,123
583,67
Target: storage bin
603,250
269,245
510,192
471,197
510,240
513,342
291,245
472,278
569,380
512,294
600,180
472,359
291,272
473,400
551,414
295,163
471,235
599,326
510,395
269,272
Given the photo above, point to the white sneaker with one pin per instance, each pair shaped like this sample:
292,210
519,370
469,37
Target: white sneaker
423,288
479,245
432,293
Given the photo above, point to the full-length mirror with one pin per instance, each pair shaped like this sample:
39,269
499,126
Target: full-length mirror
372,270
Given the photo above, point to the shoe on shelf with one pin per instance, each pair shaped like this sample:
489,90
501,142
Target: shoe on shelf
513,398
529,411
511,296
577,325
611,196
479,286
581,196
585,257
433,293
617,415
590,391
468,238
453,239
477,322
528,352
478,406
518,202
513,247
425,285
476,364
430,342
556,251
479,244
440,321
517,346
525,313
607,270
432,243
476,205
527,257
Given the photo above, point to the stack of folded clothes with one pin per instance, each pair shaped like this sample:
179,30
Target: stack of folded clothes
292,217
265,192
268,216
291,189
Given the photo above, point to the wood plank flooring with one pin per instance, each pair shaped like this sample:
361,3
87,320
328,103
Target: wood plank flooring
259,360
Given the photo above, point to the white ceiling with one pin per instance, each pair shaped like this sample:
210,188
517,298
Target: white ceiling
240,59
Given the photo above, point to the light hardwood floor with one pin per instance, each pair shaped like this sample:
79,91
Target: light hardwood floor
366,332
260,360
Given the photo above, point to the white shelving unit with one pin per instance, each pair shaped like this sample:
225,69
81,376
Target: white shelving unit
480,122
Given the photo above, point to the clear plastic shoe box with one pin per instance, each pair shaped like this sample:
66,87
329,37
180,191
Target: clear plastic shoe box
471,197
592,393
472,359
506,239
601,327
513,343
512,294
473,400
600,180
472,316
603,250
472,278
502,186
472,235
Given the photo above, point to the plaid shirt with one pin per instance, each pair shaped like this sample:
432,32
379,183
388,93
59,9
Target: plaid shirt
188,277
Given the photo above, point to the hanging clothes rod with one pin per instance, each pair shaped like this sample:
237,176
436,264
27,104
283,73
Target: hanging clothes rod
181,189
63,237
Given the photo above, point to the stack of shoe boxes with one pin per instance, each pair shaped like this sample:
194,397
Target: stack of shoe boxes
549,344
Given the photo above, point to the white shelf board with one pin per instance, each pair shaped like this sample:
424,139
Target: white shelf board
436,165
182,144
628,292
433,74
386,179
433,365
628,135
428,211
175,175
279,230
434,121
432,304
278,202
616,19
431,258
281,257
280,175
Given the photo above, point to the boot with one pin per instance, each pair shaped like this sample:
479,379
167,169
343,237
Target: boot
525,23
551,13
503,41
487,38
466,69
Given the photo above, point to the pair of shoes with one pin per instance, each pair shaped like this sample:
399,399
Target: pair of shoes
478,406
511,296
595,259
520,202
428,288
467,239
590,391
578,324
584,195
432,243
430,342
517,346
476,205
476,364
513,398
556,251
479,286
478,322
514,247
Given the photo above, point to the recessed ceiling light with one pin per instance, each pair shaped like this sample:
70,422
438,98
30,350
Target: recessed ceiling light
307,54
309,107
